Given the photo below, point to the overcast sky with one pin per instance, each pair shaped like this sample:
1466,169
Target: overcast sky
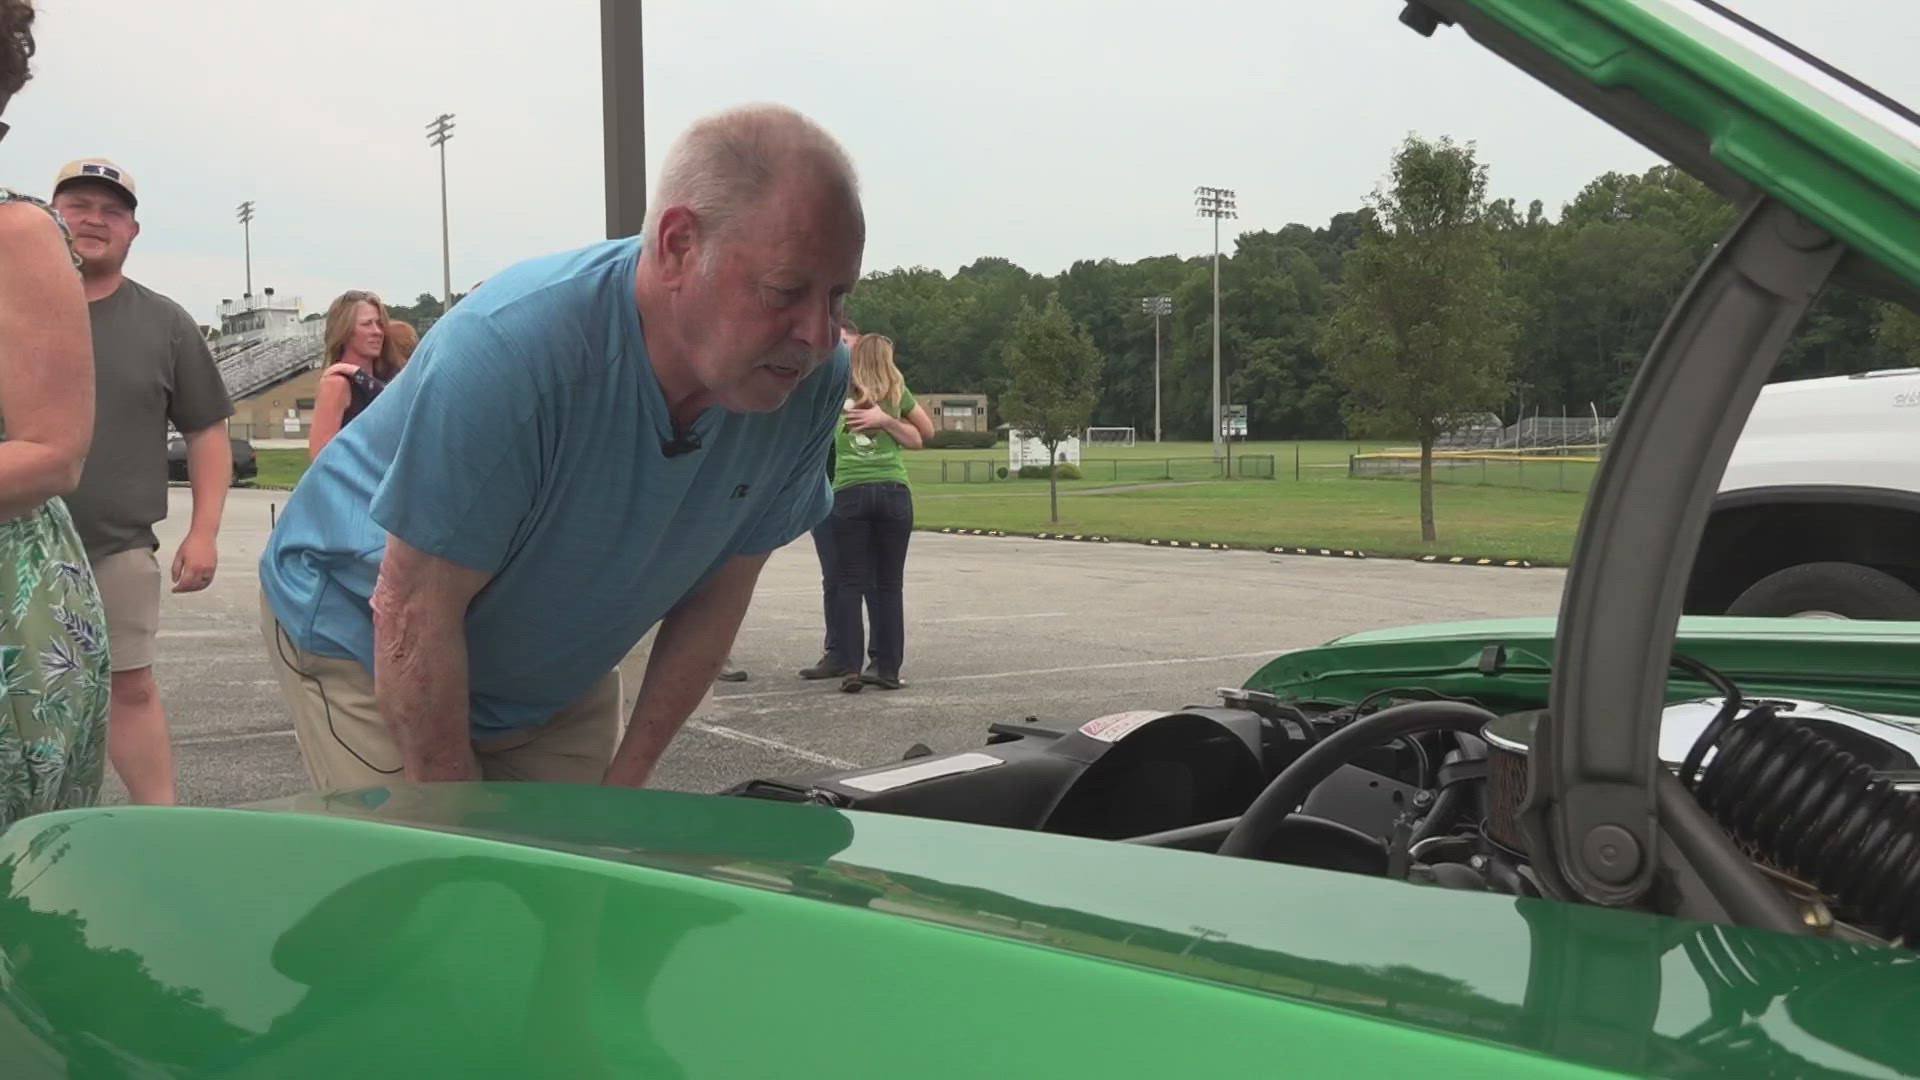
1043,131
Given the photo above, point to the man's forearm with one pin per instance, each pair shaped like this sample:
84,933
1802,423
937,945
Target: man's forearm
420,689
210,471
688,652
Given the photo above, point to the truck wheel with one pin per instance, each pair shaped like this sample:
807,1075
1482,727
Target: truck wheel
1832,590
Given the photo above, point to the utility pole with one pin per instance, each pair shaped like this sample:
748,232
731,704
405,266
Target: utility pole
1216,203
438,132
623,116
244,214
1156,306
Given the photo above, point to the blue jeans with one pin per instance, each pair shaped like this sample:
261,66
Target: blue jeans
823,549
872,524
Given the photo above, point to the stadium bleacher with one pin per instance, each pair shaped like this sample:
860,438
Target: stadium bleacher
248,366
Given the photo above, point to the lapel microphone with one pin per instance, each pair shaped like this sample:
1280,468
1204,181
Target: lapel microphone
680,444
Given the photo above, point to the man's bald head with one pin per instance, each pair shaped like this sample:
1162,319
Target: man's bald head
752,244
729,164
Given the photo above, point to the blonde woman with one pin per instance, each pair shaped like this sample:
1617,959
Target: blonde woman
362,359
872,516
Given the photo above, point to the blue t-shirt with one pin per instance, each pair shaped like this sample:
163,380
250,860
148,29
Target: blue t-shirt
524,439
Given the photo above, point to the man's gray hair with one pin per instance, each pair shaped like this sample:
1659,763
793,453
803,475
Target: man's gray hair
726,163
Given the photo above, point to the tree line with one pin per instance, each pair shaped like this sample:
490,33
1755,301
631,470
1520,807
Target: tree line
1577,297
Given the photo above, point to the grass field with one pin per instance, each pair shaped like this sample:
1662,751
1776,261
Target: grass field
279,468
1376,516
1126,495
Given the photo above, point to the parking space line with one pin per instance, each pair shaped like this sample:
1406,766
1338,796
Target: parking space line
801,691
771,744
991,618
712,729
245,736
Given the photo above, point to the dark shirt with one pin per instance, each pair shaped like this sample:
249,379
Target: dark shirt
151,366
362,387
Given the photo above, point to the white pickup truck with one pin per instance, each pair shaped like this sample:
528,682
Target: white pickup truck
1819,511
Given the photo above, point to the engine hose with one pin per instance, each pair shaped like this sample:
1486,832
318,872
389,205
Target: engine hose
1446,808
1288,790
1816,811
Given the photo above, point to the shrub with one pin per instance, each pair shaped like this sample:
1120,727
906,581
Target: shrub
1066,470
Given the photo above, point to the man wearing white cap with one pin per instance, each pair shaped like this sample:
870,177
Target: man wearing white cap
151,366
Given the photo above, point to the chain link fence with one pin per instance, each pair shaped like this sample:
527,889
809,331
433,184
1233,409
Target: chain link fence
1540,468
1113,470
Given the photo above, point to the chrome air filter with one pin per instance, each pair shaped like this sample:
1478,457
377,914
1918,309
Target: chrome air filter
1890,745
1509,741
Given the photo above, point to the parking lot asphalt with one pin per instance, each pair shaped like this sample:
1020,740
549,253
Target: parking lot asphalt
997,629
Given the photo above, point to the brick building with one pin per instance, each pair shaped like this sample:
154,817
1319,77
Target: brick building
955,412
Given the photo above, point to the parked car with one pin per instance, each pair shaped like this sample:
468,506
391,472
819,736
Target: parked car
1616,844
245,465
1819,511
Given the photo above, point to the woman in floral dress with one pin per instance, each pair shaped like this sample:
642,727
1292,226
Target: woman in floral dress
53,649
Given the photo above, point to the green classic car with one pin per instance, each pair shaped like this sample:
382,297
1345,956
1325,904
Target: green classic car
1611,844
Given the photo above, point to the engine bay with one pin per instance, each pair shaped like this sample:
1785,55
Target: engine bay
1416,786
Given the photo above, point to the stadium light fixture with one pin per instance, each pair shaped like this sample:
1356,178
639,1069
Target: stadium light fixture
1216,203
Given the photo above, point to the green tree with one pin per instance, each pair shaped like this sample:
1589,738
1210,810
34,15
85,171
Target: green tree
1591,290
1424,330
1898,331
421,314
1053,372
1595,287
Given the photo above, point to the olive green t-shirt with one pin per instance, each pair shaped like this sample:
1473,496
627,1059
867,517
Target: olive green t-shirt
150,366
867,457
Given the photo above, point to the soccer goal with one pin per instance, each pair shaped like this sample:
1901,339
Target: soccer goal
1109,436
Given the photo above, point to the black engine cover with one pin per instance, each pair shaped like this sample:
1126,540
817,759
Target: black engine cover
1121,775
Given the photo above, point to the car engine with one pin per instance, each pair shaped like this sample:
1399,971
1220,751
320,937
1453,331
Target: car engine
1412,785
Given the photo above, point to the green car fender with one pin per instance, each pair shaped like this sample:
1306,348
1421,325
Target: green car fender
522,930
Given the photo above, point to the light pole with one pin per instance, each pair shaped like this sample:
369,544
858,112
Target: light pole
1156,306
244,215
1215,203
438,132
623,116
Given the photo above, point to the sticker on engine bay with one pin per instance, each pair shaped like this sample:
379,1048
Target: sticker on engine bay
922,770
1116,726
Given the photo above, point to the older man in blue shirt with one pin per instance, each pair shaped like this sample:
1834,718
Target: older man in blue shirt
597,442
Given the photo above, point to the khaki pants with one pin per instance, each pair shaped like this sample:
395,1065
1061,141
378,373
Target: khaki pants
345,744
129,584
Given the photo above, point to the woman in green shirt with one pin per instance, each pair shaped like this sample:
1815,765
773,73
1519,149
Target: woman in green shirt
873,515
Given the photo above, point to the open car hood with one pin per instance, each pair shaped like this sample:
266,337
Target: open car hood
1827,177
1743,114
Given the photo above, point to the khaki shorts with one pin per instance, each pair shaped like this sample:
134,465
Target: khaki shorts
345,744
129,583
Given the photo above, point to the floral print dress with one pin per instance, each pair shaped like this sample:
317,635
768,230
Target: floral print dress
54,679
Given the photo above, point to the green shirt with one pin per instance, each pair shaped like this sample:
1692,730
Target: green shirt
870,457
